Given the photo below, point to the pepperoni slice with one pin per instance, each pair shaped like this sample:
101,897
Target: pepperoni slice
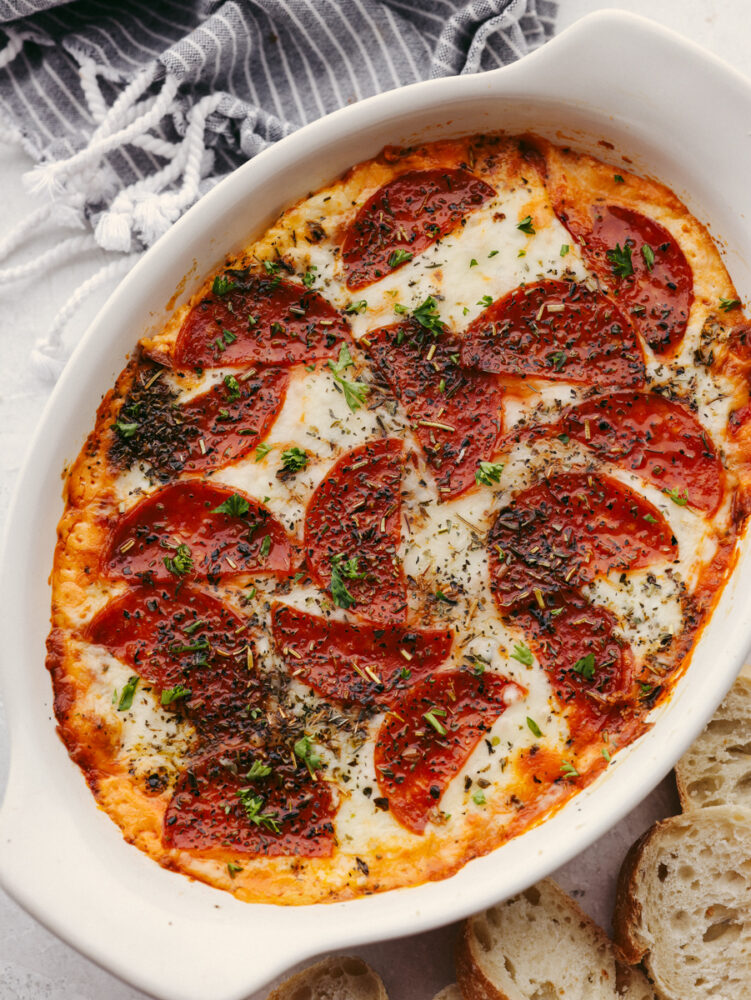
190,646
455,411
263,319
216,804
177,532
363,664
225,423
425,741
591,670
555,330
353,528
659,439
646,267
564,531
406,216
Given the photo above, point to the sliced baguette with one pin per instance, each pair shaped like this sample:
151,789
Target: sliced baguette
337,978
683,905
540,945
716,771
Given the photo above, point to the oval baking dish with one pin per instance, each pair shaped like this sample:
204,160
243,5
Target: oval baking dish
62,858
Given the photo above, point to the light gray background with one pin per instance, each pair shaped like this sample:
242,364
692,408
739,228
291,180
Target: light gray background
35,965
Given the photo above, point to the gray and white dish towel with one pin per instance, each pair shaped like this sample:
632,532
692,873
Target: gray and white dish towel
133,109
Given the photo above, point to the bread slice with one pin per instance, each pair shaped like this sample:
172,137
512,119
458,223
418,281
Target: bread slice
540,945
451,992
683,905
716,771
337,978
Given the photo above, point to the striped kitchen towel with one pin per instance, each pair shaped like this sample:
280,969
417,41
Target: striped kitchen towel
134,108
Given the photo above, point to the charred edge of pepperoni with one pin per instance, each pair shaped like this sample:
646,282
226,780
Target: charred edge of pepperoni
157,433
219,802
555,330
263,319
424,742
176,533
404,217
562,532
454,411
355,514
358,664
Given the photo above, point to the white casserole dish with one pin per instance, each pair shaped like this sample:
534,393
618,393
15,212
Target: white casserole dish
680,115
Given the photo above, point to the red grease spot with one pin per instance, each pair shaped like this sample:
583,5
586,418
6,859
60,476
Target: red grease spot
658,298
231,426
437,390
408,214
219,544
658,439
171,637
338,660
566,530
415,759
273,321
355,512
588,338
207,808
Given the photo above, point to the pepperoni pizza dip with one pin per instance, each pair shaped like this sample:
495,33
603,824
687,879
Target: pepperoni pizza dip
392,538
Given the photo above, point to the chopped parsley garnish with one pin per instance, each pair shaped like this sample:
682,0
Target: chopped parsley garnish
397,257
606,755
305,752
124,429
564,249
194,626
172,694
479,798
675,496
534,728
492,253
342,569
294,459
253,804
620,259
182,561
442,385
488,473
486,300
262,451
727,304
265,546
222,284
270,266
233,868
557,360
177,649
526,226
354,392
427,316
649,256
523,654
126,695
405,673
618,179
309,277
233,388
356,307
652,520
228,336
646,689
234,506
568,770
258,770
431,718
473,263
585,666
563,438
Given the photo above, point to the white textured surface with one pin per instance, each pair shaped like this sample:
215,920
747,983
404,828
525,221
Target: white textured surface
34,965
